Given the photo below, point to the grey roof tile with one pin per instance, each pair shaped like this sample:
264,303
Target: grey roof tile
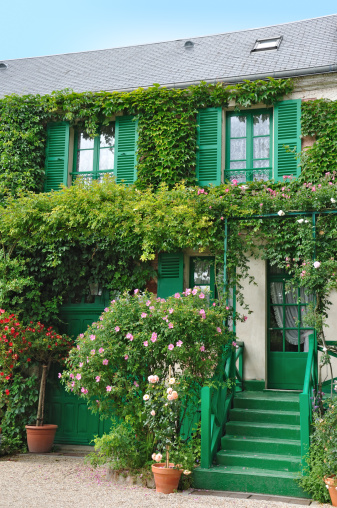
305,44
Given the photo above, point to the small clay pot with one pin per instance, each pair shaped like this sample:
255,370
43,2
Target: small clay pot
331,482
166,478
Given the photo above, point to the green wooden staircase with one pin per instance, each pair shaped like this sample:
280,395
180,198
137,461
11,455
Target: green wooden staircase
261,450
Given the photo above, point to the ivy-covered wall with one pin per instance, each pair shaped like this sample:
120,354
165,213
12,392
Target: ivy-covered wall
53,244
166,127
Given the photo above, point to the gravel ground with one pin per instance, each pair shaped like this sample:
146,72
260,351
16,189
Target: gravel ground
55,481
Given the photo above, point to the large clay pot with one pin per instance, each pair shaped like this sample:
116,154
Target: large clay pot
40,439
166,478
331,483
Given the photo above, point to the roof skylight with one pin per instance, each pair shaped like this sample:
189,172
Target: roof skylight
267,44
3,65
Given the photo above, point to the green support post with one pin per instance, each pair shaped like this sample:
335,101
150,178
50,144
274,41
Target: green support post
206,434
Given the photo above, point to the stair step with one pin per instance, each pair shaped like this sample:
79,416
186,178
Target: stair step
243,479
266,416
269,400
261,445
270,430
259,460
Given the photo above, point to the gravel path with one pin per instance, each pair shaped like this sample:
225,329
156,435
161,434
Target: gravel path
54,481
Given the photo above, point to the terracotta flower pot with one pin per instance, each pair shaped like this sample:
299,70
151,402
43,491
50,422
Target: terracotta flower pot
40,439
331,483
166,478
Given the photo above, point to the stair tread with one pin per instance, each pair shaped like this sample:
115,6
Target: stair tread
253,471
267,456
262,439
264,425
265,411
268,395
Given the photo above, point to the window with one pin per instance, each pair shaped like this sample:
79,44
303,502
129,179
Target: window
202,275
288,305
267,44
249,146
93,158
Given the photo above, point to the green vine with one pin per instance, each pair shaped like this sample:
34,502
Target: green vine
167,127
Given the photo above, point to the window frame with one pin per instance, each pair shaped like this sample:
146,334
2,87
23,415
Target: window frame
285,279
96,173
230,174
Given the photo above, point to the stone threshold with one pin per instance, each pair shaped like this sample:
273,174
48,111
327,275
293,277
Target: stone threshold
250,495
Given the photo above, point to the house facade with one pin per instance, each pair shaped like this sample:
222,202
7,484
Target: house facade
242,145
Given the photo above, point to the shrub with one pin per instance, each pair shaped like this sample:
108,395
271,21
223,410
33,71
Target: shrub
21,347
141,335
322,456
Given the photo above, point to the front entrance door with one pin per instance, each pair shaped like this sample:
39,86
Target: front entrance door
287,334
76,424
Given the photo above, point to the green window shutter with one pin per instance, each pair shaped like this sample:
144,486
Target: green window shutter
126,146
170,274
287,133
209,147
57,154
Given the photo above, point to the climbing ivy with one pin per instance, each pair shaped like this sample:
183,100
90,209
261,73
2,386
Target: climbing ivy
167,127
319,120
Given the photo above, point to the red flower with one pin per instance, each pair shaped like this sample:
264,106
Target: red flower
29,360
1,373
7,391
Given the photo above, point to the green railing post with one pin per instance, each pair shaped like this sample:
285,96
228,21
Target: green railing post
305,402
206,430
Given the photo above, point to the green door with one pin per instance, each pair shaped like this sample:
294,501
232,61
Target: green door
76,423
288,337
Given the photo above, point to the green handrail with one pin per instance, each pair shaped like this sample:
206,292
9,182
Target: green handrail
310,382
215,405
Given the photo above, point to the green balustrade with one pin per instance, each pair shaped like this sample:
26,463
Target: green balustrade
216,402
310,383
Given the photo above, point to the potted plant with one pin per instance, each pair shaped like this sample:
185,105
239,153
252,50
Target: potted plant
46,347
162,412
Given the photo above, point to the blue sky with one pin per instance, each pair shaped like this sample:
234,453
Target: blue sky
36,27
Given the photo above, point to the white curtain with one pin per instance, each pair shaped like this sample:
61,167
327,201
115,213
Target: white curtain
291,317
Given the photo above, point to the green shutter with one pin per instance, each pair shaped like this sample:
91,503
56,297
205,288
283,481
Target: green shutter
287,134
170,274
126,146
57,154
209,147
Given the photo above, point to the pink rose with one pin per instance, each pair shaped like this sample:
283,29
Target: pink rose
170,347
108,388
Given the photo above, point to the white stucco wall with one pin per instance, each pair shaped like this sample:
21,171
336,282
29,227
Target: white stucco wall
253,332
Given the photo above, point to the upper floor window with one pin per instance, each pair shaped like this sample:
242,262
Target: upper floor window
94,157
249,145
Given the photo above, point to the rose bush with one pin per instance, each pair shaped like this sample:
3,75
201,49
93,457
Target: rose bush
21,347
141,335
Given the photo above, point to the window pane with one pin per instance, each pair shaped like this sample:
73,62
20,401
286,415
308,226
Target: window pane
238,127
106,158
276,316
85,160
291,344
261,164
107,137
84,141
260,148
276,288
261,124
202,272
238,149
238,165
276,340
291,316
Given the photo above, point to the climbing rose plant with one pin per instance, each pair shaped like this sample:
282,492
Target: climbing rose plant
141,335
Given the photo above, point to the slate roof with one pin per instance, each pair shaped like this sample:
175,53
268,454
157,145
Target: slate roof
305,46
